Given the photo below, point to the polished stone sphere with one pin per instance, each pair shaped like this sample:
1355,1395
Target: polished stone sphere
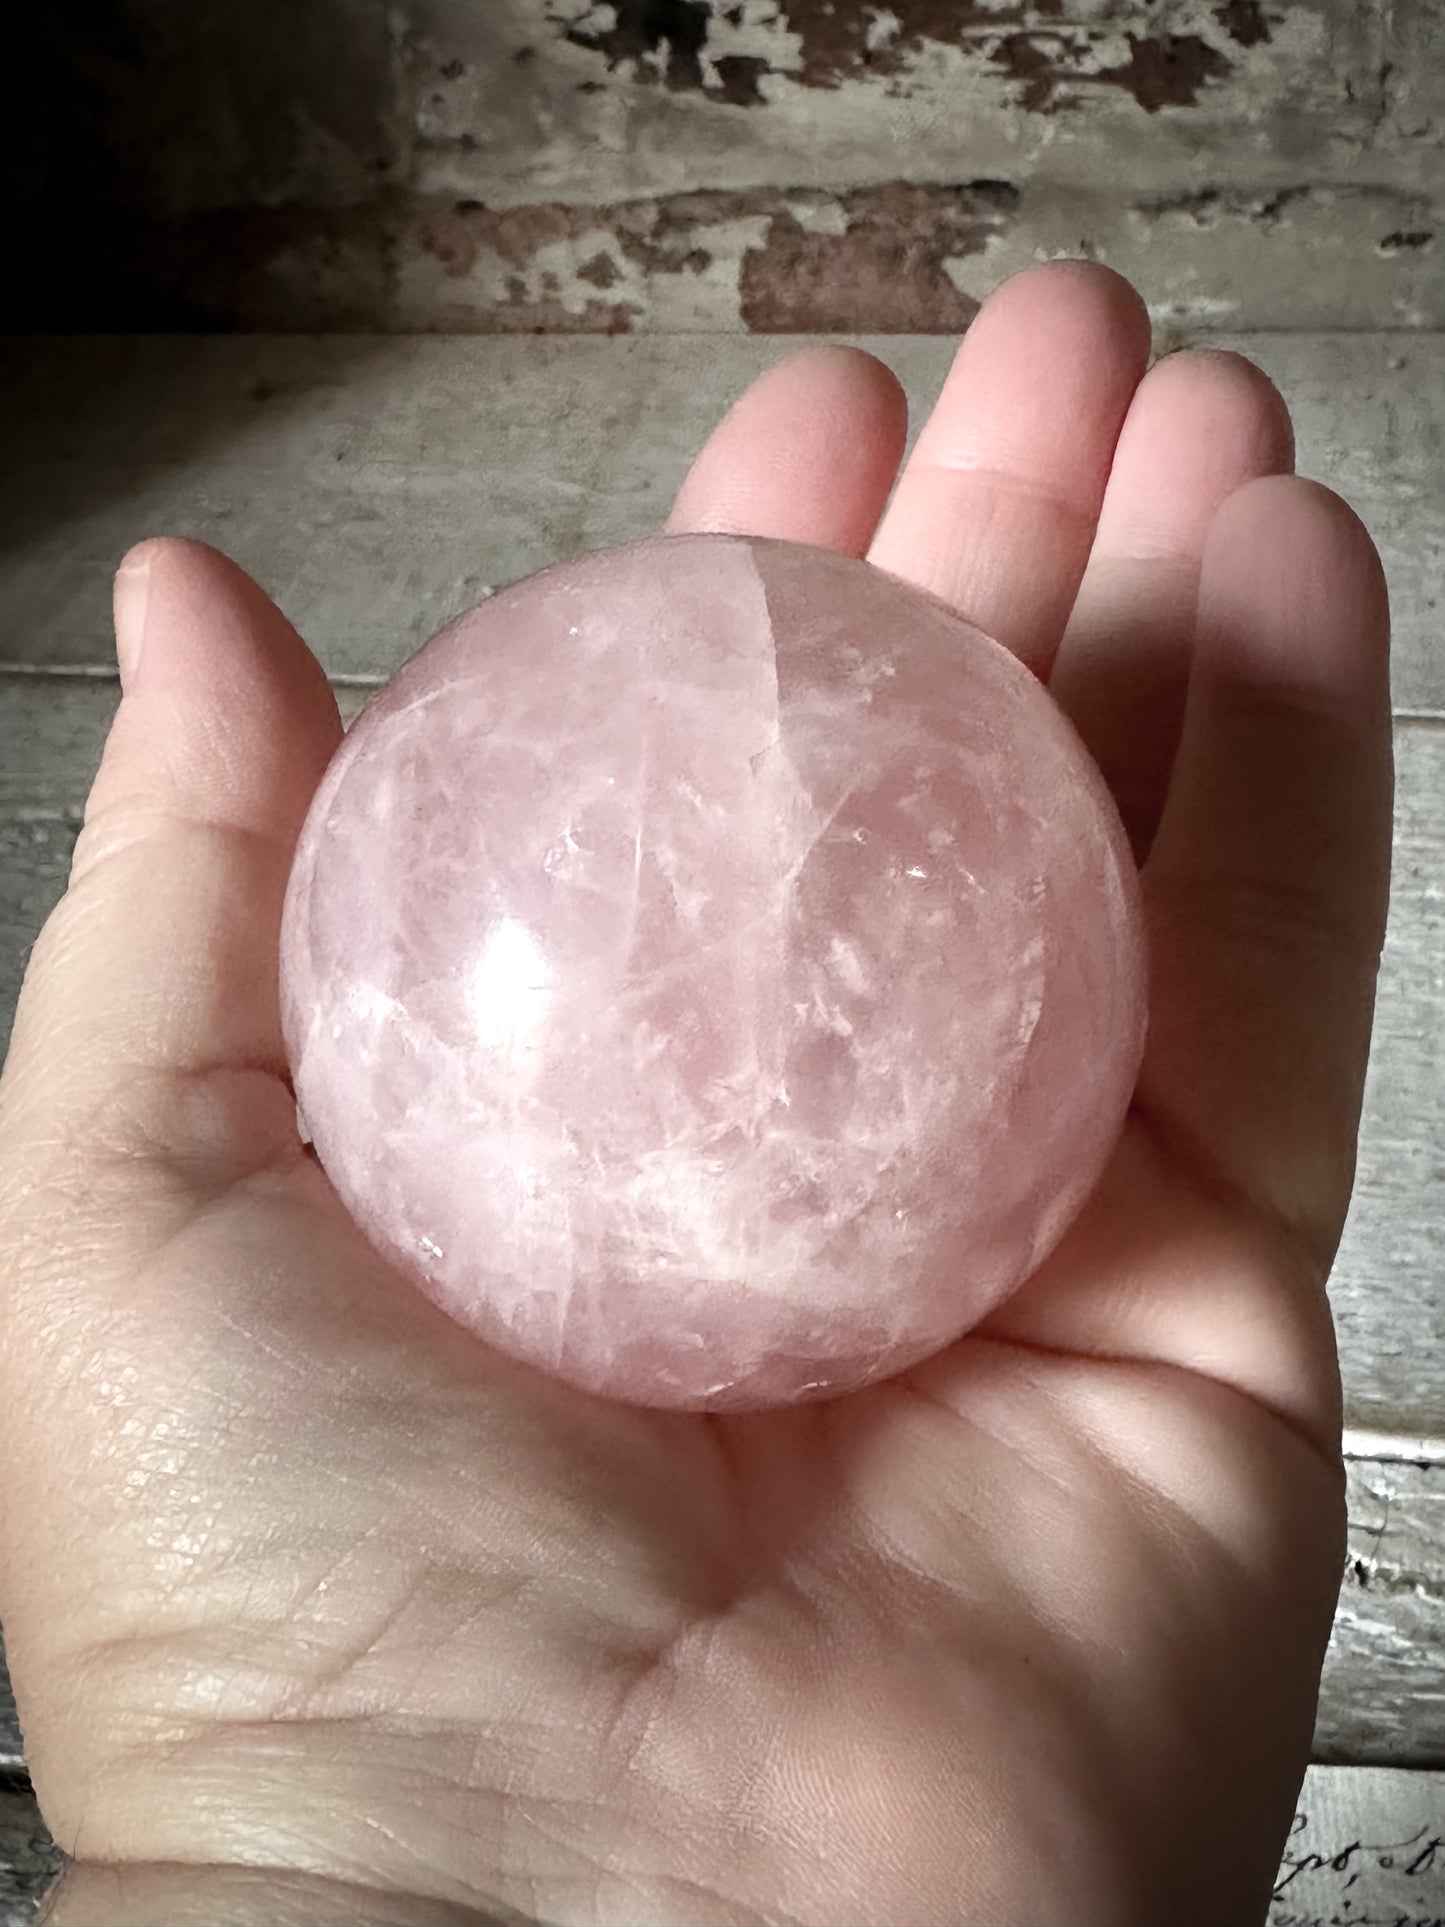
713,972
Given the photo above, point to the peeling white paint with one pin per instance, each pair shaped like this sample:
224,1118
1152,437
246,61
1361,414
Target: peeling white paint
760,33
819,217
685,299
954,114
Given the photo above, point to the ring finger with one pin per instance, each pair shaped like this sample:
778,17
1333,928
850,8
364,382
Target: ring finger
1201,425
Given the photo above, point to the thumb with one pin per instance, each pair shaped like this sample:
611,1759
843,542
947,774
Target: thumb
160,960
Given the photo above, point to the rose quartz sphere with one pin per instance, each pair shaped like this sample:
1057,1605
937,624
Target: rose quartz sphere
713,972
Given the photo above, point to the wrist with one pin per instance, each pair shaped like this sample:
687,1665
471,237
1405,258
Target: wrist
93,1894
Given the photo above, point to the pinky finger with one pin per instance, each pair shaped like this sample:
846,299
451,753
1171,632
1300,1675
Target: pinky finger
1267,884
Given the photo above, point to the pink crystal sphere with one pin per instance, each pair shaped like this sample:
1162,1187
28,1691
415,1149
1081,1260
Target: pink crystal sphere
713,971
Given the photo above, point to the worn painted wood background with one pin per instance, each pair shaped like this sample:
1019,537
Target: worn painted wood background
766,165
1268,171
378,486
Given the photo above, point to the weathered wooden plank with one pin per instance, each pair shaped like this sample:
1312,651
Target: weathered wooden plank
512,99
1388,1288
1382,1694
11,1758
34,861
896,255
379,486
1389,1281
1366,1849
52,730
28,1858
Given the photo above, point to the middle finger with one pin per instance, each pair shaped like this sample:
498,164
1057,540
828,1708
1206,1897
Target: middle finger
996,508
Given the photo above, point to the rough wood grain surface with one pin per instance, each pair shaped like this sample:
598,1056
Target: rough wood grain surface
11,1754
764,165
28,1858
1389,1283
1382,1695
378,486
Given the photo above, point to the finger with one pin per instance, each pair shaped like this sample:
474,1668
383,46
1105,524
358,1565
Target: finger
996,508
807,454
1198,428
162,955
1266,887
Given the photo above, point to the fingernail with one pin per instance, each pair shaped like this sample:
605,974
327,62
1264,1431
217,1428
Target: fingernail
132,593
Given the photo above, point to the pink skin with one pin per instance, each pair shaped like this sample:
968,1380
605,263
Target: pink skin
352,1618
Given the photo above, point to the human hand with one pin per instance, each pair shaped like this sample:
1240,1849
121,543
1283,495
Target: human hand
319,1610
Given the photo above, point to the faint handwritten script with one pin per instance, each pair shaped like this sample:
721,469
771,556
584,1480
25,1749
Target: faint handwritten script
1361,1883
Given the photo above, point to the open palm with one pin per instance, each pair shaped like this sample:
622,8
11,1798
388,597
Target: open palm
319,1609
